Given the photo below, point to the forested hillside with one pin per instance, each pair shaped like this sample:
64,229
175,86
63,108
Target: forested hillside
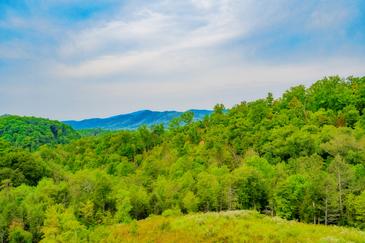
32,132
299,157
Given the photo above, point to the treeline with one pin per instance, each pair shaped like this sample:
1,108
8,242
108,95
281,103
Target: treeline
301,157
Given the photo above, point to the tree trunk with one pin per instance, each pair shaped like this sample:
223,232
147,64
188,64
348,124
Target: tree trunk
314,213
229,197
326,210
340,196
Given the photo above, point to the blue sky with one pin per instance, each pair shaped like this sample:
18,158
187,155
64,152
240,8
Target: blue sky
76,59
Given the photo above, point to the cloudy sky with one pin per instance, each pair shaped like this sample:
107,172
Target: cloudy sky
73,59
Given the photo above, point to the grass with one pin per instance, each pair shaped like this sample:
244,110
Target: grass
231,226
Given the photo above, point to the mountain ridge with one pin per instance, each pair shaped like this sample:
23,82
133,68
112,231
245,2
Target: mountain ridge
133,120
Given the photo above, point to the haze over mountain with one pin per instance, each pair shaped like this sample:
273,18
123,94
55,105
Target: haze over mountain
133,120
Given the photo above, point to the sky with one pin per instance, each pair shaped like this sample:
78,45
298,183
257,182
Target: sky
76,59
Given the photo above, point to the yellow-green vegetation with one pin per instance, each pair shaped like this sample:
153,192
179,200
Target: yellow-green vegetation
299,157
229,226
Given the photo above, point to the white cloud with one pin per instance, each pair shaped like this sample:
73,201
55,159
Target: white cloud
116,34
204,4
154,37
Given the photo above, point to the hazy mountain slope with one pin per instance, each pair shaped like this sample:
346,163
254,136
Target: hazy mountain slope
133,120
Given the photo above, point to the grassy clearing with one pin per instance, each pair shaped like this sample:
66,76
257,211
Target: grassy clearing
231,226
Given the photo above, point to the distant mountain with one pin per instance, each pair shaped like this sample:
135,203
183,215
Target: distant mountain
133,120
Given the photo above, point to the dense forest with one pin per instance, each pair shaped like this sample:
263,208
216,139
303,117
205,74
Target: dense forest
32,132
299,157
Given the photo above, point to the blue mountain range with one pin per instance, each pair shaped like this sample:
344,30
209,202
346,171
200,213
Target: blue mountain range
133,120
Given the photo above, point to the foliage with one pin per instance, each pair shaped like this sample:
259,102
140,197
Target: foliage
300,157
32,132
230,226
